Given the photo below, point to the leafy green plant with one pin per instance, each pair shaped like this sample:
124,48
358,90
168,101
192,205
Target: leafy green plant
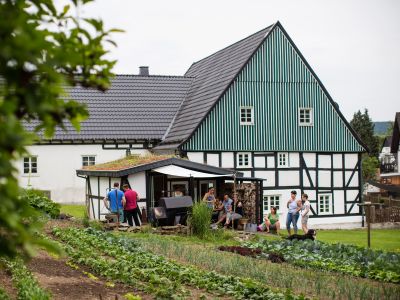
348,259
39,201
86,219
4,295
200,219
96,224
44,48
130,296
27,286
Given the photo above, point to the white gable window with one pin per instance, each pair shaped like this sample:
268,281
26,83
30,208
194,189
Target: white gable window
271,201
243,160
30,165
88,160
283,159
305,116
325,204
246,115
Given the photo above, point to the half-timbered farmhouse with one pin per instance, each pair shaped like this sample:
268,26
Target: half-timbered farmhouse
256,107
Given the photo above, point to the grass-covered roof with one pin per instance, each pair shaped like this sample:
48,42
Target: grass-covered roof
127,162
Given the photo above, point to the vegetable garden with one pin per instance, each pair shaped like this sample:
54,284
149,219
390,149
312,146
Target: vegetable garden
213,265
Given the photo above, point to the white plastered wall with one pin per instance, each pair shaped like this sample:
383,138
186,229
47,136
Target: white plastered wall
268,176
213,159
338,195
324,178
294,160
309,159
335,223
351,160
337,161
288,178
270,162
324,161
227,160
138,183
338,179
259,162
57,165
96,204
196,157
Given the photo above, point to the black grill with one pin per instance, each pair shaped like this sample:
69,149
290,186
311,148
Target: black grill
173,210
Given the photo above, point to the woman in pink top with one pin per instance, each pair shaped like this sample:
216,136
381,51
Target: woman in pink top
131,207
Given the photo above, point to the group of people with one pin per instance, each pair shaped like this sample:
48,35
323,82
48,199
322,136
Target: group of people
225,211
123,203
295,209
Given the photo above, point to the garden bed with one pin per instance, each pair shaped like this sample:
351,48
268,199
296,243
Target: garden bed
153,273
347,259
76,282
244,251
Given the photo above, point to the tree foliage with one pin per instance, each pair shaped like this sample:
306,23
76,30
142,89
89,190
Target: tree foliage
370,164
42,49
364,127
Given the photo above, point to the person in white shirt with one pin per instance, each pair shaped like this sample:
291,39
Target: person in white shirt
305,210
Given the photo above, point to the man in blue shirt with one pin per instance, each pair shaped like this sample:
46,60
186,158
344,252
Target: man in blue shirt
115,200
227,203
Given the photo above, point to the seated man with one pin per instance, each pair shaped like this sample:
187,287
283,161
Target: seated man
234,214
227,206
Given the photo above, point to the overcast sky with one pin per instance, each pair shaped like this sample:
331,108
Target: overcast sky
352,45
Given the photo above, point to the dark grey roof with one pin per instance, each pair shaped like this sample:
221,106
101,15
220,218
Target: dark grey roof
387,142
213,76
135,108
161,163
396,134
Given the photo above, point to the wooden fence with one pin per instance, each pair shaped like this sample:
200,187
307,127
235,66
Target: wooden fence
385,209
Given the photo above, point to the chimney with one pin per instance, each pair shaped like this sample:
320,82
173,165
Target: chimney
144,71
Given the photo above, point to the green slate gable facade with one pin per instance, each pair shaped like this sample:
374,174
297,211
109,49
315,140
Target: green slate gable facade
276,83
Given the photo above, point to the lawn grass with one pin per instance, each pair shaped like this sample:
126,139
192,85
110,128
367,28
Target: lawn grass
75,210
381,239
313,283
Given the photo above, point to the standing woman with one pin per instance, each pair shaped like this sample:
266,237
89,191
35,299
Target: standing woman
294,207
209,198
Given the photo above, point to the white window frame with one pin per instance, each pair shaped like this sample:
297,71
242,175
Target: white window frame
268,199
329,204
278,157
301,121
30,166
242,165
251,122
88,156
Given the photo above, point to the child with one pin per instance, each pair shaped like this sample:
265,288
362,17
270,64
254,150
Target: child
304,213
